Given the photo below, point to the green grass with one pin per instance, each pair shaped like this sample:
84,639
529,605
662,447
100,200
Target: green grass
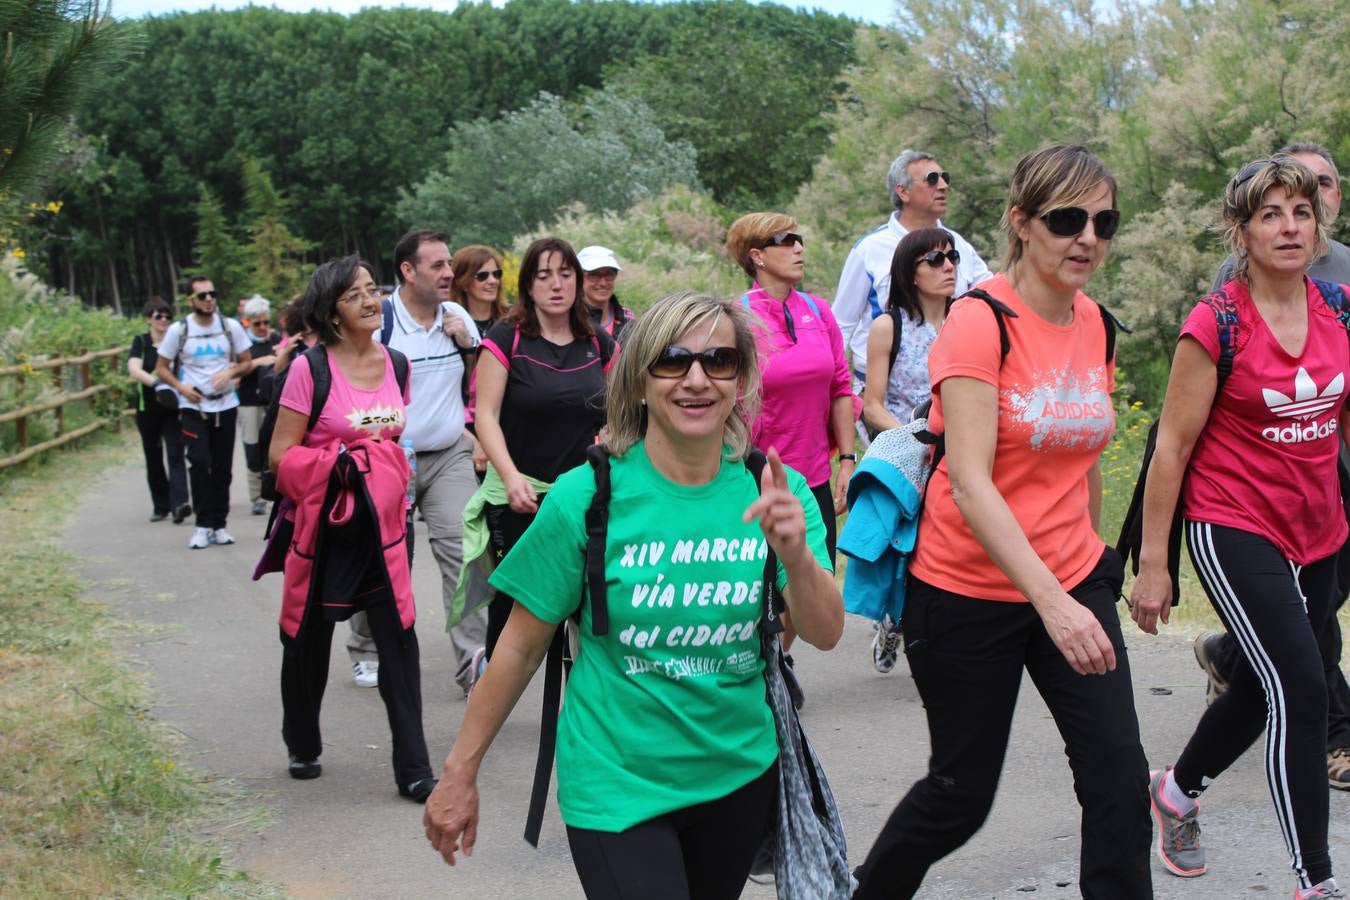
93,802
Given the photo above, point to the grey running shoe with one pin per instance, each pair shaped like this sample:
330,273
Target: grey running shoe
1206,648
222,537
885,646
1338,768
1178,836
201,538
1324,891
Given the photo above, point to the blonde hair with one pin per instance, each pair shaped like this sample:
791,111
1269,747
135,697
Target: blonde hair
1051,178
750,231
1246,193
669,319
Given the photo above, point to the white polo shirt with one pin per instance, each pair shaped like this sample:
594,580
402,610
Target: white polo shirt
436,412
865,284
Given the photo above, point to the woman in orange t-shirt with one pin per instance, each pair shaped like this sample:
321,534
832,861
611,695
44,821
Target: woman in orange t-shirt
1009,572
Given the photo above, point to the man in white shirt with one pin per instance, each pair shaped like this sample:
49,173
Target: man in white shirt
918,189
202,357
441,341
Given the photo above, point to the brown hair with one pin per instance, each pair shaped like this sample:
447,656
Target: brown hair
524,313
1049,179
751,231
465,264
1246,193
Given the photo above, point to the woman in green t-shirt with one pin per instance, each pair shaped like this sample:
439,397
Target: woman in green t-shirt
667,757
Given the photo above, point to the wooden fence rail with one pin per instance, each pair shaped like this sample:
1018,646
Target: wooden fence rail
85,365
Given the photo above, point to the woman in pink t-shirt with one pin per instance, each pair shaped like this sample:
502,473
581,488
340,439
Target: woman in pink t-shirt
1009,574
1253,461
342,307
806,400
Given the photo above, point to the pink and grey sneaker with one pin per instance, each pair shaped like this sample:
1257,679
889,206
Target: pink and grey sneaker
1324,891
1178,836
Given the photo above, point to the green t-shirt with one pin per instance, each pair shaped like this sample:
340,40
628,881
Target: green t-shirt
668,710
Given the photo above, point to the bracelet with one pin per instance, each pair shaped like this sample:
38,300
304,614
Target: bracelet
851,457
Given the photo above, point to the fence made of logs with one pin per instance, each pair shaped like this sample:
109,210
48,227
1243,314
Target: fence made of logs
86,390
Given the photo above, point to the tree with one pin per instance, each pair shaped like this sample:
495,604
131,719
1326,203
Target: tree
219,254
278,272
504,177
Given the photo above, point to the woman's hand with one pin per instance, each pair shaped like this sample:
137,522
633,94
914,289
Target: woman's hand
779,511
451,817
480,459
841,477
1151,597
520,495
1078,635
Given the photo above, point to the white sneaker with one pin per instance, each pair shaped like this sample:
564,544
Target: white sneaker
201,537
221,536
366,673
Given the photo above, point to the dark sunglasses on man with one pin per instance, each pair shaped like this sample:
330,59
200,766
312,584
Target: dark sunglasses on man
720,363
481,277
932,178
1069,221
203,295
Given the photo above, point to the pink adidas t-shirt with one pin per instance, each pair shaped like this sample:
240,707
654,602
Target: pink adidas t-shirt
800,381
1266,460
351,413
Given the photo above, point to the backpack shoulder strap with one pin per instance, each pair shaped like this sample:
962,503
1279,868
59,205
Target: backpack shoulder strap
386,320
773,603
225,323
597,533
400,364
1111,324
897,328
1334,295
1001,312
1226,320
322,377
810,301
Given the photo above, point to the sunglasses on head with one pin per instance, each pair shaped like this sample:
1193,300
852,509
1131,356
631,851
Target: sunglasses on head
936,258
931,179
203,295
782,239
480,277
1070,221
721,363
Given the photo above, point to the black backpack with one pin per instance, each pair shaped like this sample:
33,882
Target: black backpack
597,531
1131,538
323,383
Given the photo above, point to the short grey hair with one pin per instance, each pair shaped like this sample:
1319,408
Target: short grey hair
257,305
1315,149
898,174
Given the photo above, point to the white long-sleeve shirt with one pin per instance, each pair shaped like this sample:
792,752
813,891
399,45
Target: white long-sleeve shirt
865,285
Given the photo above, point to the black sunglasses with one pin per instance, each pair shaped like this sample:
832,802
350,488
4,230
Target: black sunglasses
1250,171
161,315
202,295
782,239
484,276
932,178
936,258
721,363
1069,221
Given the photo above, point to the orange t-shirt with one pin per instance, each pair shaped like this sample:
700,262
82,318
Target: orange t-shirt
1054,418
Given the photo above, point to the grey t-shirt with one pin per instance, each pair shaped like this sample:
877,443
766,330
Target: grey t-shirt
1335,266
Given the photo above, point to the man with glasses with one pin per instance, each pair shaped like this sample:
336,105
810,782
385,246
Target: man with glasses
441,341
202,357
255,392
599,268
918,189
1218,653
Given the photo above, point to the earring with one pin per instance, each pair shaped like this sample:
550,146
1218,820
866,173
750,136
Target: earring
643,401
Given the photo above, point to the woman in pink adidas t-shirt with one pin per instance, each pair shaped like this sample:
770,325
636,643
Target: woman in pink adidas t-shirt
1252,458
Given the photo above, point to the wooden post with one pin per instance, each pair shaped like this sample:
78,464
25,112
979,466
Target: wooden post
21,425
60,410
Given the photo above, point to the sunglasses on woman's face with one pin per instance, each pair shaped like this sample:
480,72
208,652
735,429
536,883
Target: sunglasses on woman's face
936,258
163,316
721,363
481,277
782,239
1071,220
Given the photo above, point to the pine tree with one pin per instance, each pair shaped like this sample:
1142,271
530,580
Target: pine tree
278,271
219,254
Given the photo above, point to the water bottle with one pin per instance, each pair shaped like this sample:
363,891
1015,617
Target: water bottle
409,452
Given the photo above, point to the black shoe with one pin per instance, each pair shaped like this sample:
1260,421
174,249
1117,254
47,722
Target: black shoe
419,790
182,513
158,516
793,685
304,768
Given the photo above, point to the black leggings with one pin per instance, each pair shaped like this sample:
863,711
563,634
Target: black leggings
161,437
505,527
209,442
967,656
701,852
824,495
1276,611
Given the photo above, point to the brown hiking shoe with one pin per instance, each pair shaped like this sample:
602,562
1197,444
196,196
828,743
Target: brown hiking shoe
1206,648
1338,768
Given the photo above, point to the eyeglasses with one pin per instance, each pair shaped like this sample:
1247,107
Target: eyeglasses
602,275
161,315
481,277
931,179
202,295
260,321
936,258
721,363
356,295
1069,221
782,239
